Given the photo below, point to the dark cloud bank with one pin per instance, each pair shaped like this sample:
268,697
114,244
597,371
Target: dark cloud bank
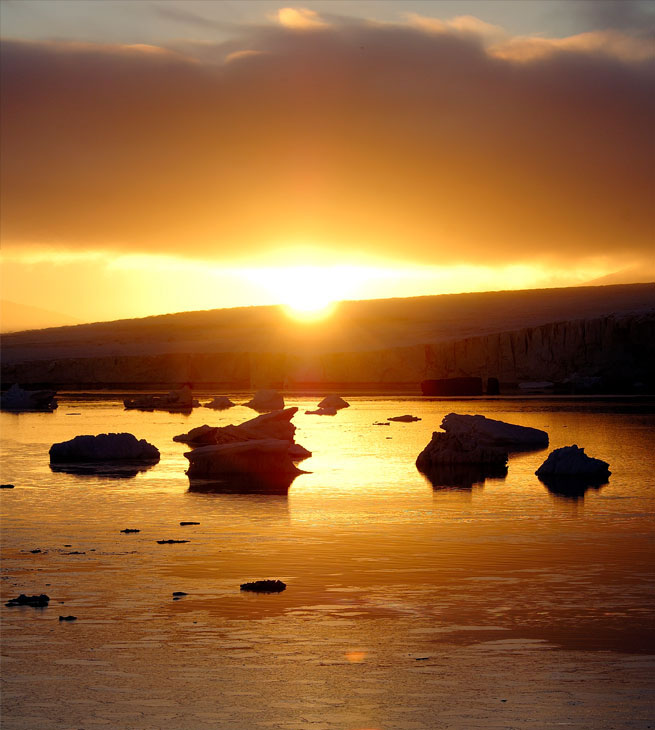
408,143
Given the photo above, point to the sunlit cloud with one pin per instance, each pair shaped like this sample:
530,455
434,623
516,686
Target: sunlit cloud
464,24
610,43
145,48
300,18
431,142
238,55
621,45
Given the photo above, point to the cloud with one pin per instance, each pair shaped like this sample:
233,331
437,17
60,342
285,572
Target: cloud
300,18
607,42
464,24
185,16
236,55
628,15
448,145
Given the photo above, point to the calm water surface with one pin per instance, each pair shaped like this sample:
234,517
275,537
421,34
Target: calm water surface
407,606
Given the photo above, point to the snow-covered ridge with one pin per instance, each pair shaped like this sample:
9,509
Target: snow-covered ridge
358,326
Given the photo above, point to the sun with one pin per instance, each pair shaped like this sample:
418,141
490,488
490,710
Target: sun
307,299
307,292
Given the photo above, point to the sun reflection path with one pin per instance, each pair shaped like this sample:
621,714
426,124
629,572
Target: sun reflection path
355,656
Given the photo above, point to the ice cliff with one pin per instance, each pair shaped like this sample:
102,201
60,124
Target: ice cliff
620,347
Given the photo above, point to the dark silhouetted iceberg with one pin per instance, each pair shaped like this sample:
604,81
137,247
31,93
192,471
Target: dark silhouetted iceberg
273,425
120,454
571,461
488,432
18,399
266,400
248,466
333,401
458,448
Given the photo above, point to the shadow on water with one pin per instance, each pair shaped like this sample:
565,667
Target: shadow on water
463,476
572,488
111,470
277,484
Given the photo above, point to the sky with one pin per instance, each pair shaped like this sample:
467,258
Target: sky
165,155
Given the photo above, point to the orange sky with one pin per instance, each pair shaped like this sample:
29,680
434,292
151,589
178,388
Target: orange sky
415,157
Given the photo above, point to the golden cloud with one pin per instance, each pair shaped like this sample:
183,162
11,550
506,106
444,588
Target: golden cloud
300,18
397,140
605,42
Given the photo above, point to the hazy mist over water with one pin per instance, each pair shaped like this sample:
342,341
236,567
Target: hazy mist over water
392,584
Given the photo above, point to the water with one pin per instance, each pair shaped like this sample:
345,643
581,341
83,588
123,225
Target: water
407,606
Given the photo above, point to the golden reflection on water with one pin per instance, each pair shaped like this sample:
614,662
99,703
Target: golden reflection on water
355,655
372,554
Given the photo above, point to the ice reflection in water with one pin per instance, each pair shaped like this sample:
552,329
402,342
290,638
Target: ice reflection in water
463,476
120,470
375,560
275,484
572,487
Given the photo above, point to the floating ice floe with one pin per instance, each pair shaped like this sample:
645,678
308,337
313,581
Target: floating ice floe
266,400
571,461
18,399
263,465
113,454
458,448
174,401
488,432
273,425
333,401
